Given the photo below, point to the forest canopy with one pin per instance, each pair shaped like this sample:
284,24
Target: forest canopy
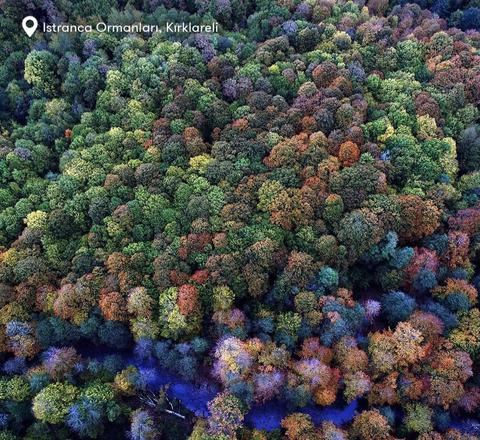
281,217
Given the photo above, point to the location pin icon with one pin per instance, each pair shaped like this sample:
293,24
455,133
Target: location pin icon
29,25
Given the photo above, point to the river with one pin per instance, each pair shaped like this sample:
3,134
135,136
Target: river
266,416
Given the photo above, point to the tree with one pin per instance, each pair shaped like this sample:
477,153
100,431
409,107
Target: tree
355,183
298,425
143,427
468,149
359,230
226,415
455,293
85,418
470,19
40,71
233,359
356,385
395,350
74,302
223,298
172,322
60,362
140,303
397,306
419,218
51,404
188,301
113,306
128,381
370,425
467,335
418,418
349,153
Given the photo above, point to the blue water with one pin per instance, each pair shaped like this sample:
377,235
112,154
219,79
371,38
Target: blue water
195,396
266,416
467,426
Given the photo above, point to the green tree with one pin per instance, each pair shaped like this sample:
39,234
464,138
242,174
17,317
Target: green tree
40,72
52,403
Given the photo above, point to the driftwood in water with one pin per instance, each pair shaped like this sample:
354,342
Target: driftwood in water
157,402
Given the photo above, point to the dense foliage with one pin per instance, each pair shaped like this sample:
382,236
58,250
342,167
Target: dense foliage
290,208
